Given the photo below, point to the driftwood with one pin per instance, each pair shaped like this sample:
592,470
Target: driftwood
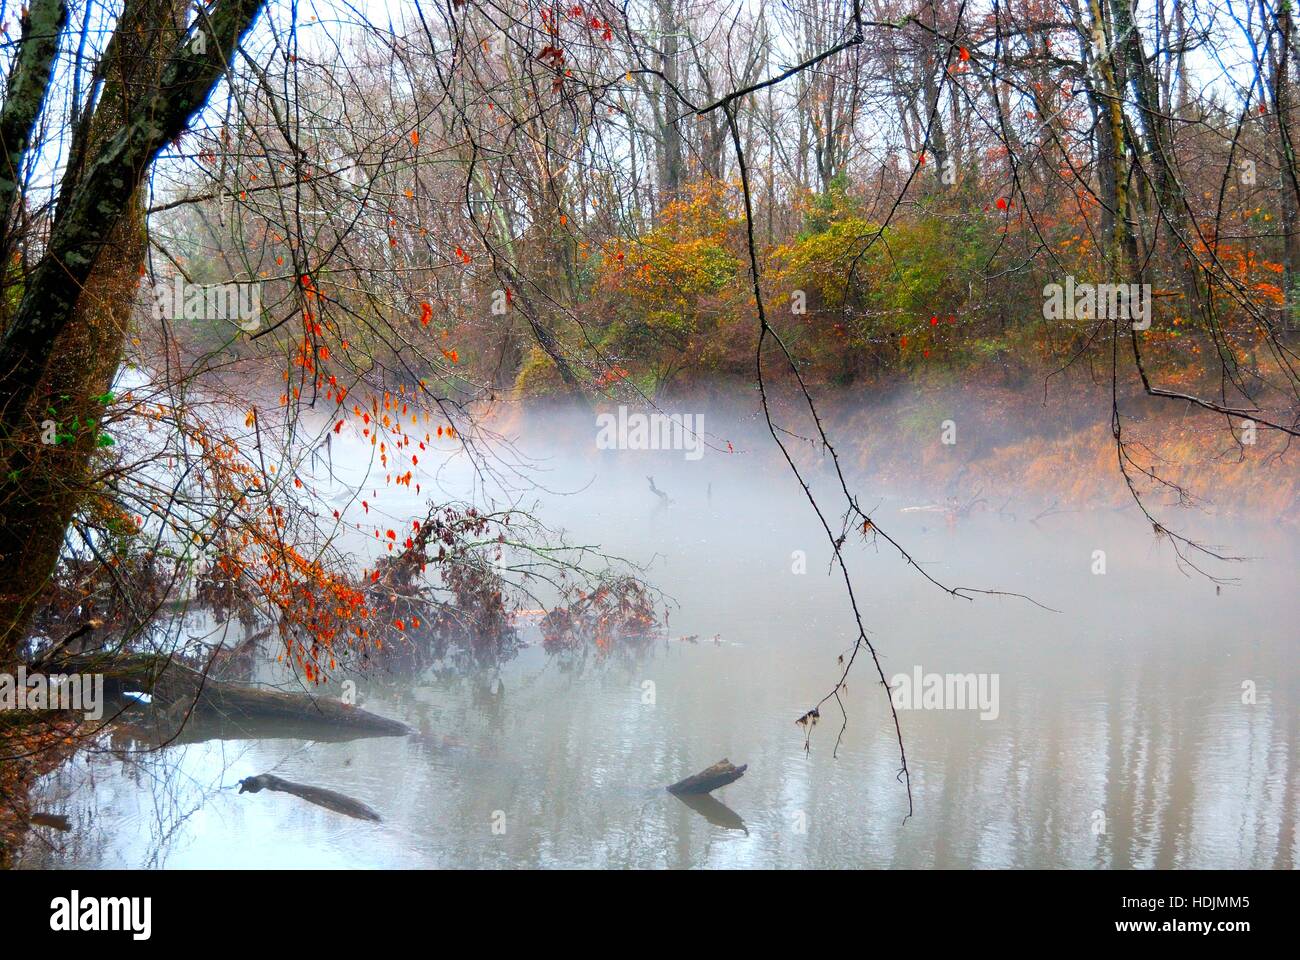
719,775
56,821
329,799
664,499
170,681
175,725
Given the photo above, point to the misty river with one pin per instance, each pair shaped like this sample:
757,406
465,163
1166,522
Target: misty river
1147,720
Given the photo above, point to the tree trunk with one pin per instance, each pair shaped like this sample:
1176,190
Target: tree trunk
1289,188
673,172
87,353
62,347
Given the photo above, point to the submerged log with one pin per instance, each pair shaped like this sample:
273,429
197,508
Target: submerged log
664,499
56,821
170,681
170,726
329,799
719,775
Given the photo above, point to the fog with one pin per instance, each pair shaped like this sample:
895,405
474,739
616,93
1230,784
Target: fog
1144,715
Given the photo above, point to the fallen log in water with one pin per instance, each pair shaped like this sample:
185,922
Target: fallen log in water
329,799
56,821
170,681
175,726
719,775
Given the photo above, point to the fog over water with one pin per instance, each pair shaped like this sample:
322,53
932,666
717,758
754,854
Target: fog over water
1120,738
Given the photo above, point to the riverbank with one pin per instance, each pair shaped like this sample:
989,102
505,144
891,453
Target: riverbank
992,439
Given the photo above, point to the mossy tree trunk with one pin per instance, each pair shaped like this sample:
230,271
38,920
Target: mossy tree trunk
63,344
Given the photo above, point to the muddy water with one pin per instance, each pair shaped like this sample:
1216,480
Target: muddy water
1148,720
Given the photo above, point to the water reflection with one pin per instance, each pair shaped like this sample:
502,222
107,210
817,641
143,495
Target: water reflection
714,811
1124,738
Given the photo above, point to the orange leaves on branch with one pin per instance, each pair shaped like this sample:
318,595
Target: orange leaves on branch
612,376
1271,292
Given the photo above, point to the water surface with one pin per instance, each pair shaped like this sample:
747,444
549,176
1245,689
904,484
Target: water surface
1121,740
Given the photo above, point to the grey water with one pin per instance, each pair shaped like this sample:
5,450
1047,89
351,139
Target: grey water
1147,719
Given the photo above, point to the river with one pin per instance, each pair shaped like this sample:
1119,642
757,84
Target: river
1147,720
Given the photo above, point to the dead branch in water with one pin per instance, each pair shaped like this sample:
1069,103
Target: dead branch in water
664,499
709,779
55,821
169,681
329,799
